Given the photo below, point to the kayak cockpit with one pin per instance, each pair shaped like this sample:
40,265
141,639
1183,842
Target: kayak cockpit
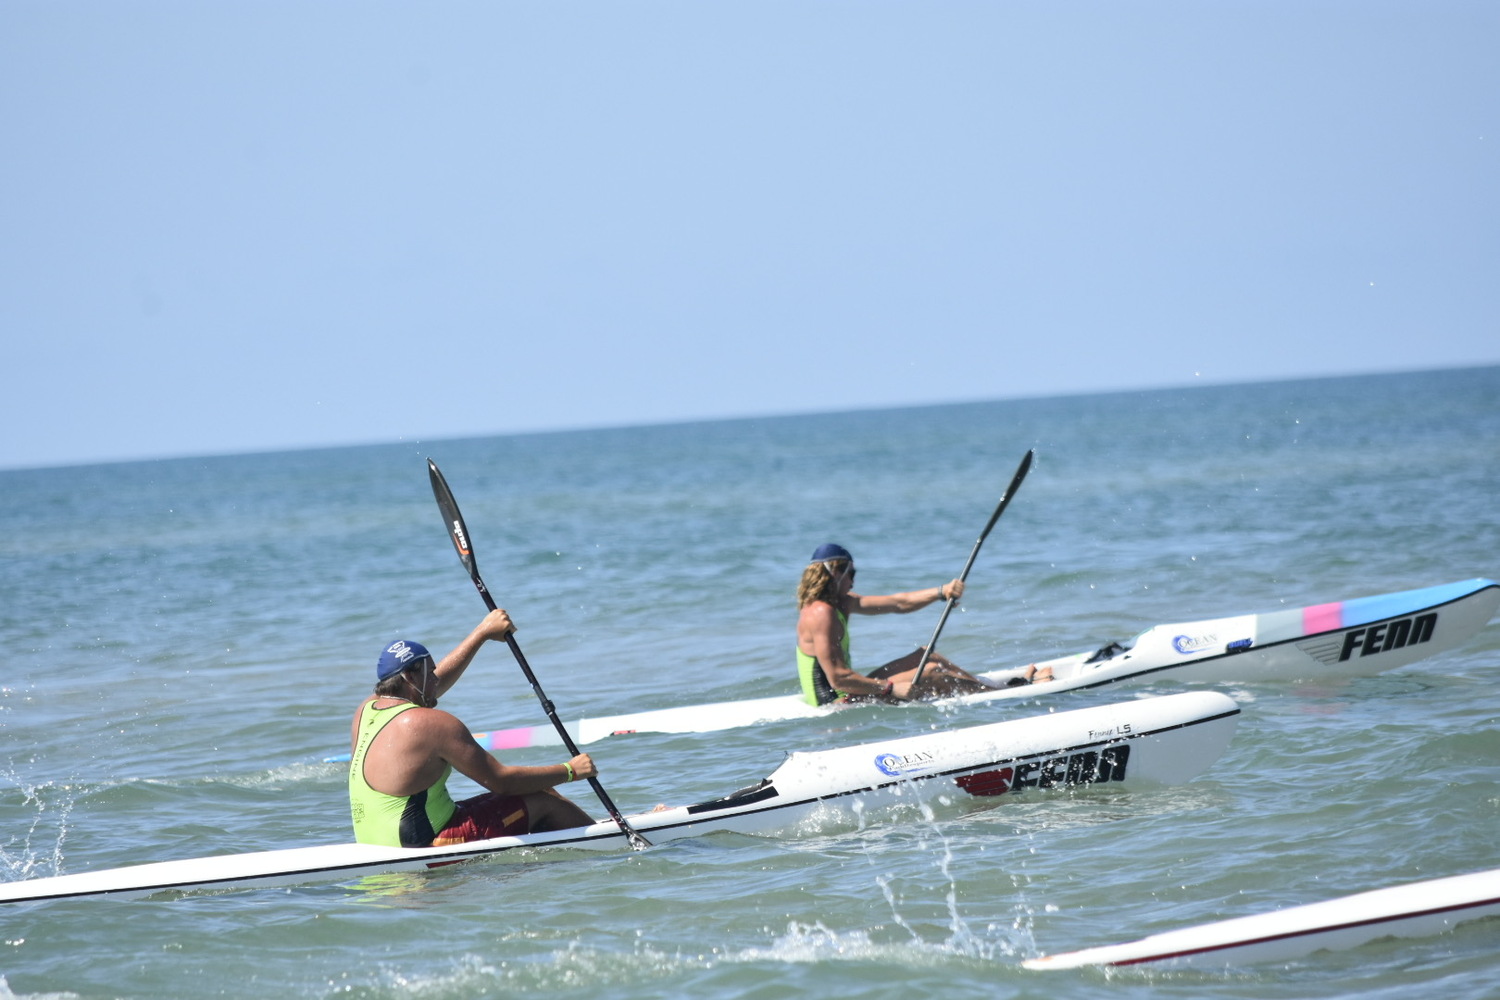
1109,651
758,792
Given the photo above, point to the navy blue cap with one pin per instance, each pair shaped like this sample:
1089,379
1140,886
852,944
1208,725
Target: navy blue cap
830,551
398,656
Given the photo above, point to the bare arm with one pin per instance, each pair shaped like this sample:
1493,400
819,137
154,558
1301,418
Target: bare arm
496,625
456,746
902,603
410,753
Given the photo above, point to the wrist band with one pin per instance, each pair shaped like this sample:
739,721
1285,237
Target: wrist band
569,768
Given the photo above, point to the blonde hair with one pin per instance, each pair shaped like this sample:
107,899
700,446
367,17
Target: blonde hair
820,582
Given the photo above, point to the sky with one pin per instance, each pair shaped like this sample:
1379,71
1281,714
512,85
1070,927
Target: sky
252,226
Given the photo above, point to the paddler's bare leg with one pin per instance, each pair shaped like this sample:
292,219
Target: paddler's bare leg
1031,675
940,677
547,810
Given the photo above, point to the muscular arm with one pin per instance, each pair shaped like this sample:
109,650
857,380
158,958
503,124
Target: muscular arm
496,625
902,603
456,746
410,753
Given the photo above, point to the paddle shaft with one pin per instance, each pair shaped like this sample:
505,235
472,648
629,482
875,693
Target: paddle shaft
1010,491
458,533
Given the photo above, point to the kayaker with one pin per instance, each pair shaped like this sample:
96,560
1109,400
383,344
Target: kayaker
404,749
826,599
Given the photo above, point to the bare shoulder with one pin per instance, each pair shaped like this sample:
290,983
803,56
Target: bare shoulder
418,727
818,614
431,722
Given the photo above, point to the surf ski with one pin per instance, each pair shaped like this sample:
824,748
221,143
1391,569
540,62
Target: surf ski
1415,910
1150,741
1366,635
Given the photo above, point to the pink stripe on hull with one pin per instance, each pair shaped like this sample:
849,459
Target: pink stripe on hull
1322,618
507,739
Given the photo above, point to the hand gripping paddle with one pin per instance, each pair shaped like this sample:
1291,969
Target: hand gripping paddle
458,533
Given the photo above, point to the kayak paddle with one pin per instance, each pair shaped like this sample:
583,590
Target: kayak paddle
1010,491
458,533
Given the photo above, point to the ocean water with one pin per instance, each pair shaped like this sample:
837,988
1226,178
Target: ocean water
187,639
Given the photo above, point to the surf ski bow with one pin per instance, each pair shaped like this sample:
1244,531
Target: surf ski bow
1150,741
1415,910
1366,635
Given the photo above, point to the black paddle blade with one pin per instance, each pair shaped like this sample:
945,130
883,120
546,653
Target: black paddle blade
458,532
1010,491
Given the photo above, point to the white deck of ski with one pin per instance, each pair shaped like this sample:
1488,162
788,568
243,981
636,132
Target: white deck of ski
1415,910
1152,741
1280,648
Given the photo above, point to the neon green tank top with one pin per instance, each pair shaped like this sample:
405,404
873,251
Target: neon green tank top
815,687
393,820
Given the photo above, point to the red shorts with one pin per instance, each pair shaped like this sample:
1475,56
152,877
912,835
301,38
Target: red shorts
485,816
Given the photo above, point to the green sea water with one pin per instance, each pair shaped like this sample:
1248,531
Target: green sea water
187,639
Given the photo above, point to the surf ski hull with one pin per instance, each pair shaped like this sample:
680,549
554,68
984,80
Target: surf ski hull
1151,741
1415,910
1366,635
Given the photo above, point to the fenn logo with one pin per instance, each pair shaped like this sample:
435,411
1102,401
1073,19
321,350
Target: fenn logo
1374,639
1089,767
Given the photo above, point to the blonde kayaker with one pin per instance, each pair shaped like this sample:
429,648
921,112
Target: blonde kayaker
826,599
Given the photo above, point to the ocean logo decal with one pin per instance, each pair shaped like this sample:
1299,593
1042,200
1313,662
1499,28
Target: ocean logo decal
895,764
1190,644
1388,635
1091,767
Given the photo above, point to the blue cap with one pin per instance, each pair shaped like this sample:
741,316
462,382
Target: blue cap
830,551
398,656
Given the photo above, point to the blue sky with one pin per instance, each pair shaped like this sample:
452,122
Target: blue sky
237,226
